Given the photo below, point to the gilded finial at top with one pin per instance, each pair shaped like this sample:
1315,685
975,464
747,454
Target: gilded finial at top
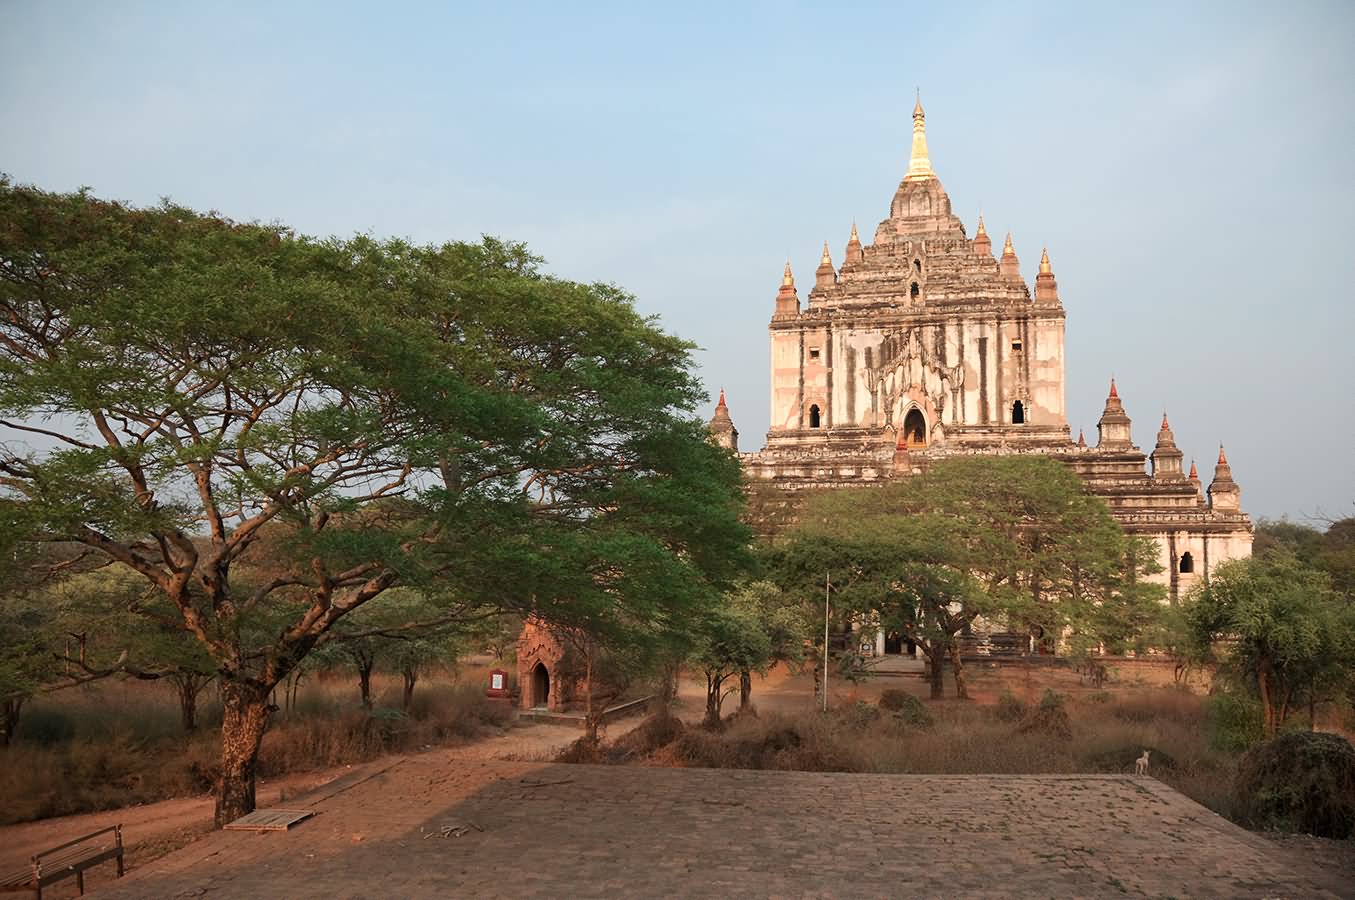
787,279
1007,248
919,164
1045,267
825,260
982,230
854,238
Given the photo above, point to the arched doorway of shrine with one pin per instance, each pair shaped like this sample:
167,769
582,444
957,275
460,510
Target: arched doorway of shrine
540,686
915,428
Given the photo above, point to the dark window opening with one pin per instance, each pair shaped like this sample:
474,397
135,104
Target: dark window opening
915,429
1018,413
1187,564
813,352
893,643
1016,345
914,291
813,417
917,264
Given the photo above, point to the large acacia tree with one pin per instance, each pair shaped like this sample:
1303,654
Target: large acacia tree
274,430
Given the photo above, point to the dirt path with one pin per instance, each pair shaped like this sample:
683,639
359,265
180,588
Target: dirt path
154,829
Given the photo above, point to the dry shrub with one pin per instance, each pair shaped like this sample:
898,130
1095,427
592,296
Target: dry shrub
654,733
1010,709
906,708
584,750
115,744
1302,782
1049,718
1149,705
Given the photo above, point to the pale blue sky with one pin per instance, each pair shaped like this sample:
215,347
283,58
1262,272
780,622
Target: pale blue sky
1188,166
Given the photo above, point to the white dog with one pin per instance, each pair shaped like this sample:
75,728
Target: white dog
1141,764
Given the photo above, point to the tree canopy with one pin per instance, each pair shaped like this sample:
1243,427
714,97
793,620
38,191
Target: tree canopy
1279,629
1016,540
261,423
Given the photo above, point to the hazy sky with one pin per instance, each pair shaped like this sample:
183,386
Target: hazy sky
1188,165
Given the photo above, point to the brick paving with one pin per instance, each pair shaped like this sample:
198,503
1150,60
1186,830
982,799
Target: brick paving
546,830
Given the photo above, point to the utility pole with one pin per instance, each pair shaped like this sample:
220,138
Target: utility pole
826,584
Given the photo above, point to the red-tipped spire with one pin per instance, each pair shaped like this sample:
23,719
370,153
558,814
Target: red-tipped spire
1081,439
1165,426
1194,473
1223,460
721,404
1113,392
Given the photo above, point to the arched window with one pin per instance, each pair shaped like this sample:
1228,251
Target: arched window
1187,563
915,428
814,416
917,266
914,291
1018,413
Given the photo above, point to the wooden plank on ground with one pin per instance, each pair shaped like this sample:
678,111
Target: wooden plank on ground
270,820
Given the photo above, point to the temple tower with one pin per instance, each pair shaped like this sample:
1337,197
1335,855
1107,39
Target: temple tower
1113,429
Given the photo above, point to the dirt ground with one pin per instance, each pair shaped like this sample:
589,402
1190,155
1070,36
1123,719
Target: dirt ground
356,810
152,830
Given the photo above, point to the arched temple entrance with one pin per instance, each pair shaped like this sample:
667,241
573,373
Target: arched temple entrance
540,686
1018,413
915,428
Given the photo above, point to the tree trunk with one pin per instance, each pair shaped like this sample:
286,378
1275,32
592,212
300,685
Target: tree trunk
669,687
244,719
936,671
10,721
961,691
591,719
411,675
745,689
1263,688
713,685
187,687
365,683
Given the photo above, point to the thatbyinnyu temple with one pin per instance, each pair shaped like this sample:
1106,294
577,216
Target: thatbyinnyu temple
923,345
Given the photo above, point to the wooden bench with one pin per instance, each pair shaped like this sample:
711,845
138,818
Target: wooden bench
65,860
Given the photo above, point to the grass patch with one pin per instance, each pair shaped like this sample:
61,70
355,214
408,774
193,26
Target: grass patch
1104,735
117,744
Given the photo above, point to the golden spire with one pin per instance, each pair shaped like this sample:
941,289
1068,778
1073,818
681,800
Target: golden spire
919,165
1007,248
1045,268
825,260
981,230
787,279
854,237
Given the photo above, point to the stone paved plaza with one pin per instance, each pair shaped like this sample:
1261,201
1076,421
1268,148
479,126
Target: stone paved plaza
545,830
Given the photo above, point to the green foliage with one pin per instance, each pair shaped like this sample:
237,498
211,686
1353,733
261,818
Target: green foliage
273,430
1233,721
1014,540
1300,782
1280,629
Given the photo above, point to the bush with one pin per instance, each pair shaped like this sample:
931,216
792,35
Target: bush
1049,718
1299,782
1233,722
858,715
1010,709
906,708
45,726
